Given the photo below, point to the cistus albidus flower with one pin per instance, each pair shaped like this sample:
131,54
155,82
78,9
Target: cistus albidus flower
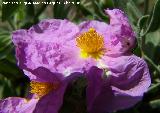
49,56
54,52
120,78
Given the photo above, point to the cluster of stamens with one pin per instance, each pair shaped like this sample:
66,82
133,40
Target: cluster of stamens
42,88
91,44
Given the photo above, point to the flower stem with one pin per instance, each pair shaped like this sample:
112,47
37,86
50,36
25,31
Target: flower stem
152,63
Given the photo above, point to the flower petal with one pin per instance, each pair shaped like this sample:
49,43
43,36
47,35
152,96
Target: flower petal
129,80
44,75
100,27
17,105
50,44
95,83
124,87
130,75
120,33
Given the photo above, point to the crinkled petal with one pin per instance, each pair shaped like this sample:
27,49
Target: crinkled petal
21,40
100,27
130,75
44,75
95,83
50,44
121,37
17,105
128,80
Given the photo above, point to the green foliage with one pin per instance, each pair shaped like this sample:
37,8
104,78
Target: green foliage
9,10
6,42
144,21
154,22
155,103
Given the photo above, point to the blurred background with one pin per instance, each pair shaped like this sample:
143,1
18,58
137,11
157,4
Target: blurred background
144,16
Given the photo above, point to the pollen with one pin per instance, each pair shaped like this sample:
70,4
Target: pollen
42,88
91,44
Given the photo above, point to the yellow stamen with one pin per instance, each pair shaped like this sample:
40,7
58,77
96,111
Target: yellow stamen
91,44
42,88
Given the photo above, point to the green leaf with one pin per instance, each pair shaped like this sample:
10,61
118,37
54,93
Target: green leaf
155,17
106,4
9,69
154,88
99,11
8,10
153,37
152,42
138,2
121,4
30,10
41,9
4,53
21,14
1,86
133,12
155,104
60,11
5,44
29,15
84,10
154,21
6,89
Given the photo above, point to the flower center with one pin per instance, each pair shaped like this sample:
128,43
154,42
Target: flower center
91,44
42,88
